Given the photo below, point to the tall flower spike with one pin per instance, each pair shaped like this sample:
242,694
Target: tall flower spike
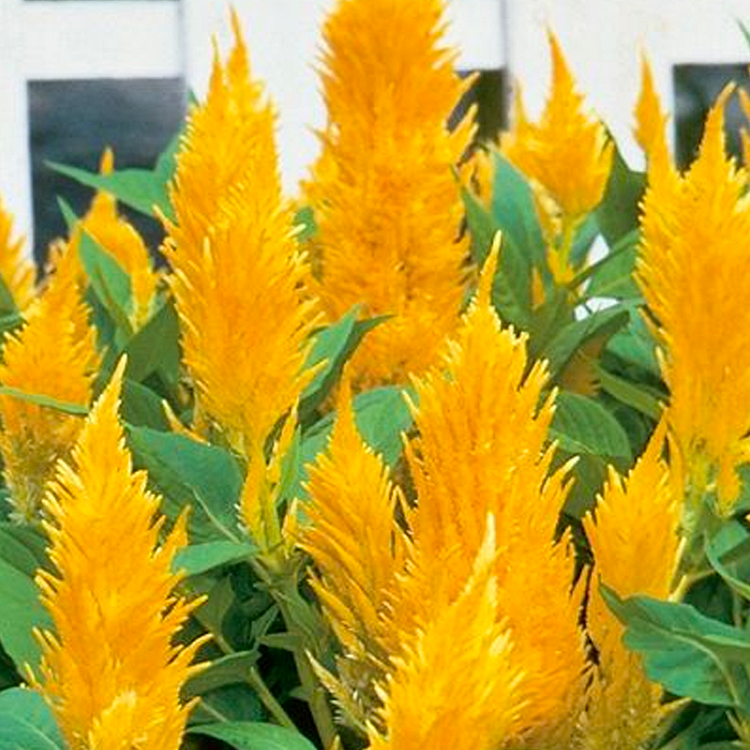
110,671
634,539
121,239
386,173
650,120
692,268
359,550
482,449
238,271
17,272
53,354
567,151
456,687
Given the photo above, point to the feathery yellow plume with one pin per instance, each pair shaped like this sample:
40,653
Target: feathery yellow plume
386,198
237,268
693,261
17,272
634,539
121,239
650,119
53,355
482,449
568,151
110,671
358,549
456,686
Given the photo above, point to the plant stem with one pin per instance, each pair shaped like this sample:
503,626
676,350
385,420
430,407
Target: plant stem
268,699
304,624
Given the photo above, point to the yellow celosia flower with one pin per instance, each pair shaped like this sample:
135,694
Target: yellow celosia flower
482,449
17,272
456,687
634,538
110,671
54,355
121,239
481,452
650,119
693,262
359,550
237,268
568,151
386,198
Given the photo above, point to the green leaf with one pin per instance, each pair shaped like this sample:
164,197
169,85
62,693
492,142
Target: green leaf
601,325
226,704
634,345
76,410
23,547
26,722
110,283
21,613
155,348
141,407
227,670
188,472
250,735
511,287
333,345
612,276
8,305
583,425
514,211
728,552
482,226
617,214
690,654
382,416
641,397
141,189
200,558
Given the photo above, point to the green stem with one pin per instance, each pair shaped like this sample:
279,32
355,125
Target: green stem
254,680
303,623
268,699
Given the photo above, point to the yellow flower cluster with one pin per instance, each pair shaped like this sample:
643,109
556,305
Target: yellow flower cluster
386,199
110,671
694,253
237,269
399,602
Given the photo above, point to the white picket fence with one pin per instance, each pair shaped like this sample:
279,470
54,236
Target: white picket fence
82,39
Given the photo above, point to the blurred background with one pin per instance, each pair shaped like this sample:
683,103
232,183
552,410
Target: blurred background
79,75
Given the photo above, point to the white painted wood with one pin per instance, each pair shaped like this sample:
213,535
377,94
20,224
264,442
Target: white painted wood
104,39
15,160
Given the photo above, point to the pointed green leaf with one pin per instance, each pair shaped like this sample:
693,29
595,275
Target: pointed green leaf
140,189
110,283
155,348
21,613
617,214
690,654
248,735
583,425
333,346
76,410
27,723
514,211
187,472
200,558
